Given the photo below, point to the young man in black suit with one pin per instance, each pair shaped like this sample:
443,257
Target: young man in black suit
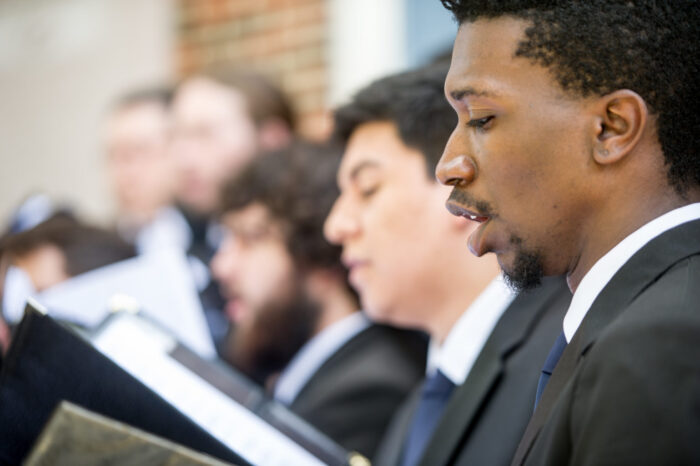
297,326
408,263
576,151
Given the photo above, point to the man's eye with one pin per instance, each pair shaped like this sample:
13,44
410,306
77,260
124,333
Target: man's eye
480,123
368,192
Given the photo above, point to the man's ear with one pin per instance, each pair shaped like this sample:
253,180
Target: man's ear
622,118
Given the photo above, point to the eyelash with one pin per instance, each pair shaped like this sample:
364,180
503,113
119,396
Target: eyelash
480,123
367,193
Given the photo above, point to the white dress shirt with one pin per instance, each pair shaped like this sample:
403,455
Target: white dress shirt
607,266
456,356
314,353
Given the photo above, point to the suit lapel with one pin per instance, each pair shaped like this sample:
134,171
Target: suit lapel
461,411
393,442
633,278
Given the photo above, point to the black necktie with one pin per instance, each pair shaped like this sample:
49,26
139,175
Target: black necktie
436,392
550,364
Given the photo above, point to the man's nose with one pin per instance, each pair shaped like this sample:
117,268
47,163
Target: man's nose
339,224
456,166
224,261
455,170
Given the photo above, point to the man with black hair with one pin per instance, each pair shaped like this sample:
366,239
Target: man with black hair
297,328
576,152
407,261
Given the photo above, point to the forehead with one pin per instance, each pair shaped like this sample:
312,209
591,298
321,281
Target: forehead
377,145
138,118
252,215
201,97
484,62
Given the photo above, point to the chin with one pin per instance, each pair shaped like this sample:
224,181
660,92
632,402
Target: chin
376,313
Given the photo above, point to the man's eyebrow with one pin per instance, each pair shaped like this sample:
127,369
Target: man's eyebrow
362,166
459,94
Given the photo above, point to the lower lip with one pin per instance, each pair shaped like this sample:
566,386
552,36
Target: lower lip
477,240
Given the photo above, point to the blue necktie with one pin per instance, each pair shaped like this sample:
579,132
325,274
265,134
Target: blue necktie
436,393
550,364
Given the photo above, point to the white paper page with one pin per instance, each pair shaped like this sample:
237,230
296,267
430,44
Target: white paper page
160,282
144,355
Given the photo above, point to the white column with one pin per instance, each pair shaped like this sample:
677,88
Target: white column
367,41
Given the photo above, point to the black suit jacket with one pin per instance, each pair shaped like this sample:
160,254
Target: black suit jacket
486,416
626,390
353,395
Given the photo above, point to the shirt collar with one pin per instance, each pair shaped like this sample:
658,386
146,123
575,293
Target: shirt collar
314,353
456,356
607,266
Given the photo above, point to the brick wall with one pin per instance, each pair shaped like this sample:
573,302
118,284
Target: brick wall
284,39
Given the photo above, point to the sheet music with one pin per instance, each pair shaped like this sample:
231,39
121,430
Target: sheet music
143,352
160,283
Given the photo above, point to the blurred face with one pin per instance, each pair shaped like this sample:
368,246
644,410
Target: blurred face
214,136
390,221
271,314
45,266
518,158
252,265
139,164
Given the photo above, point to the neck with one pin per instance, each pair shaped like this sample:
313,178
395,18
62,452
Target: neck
471,279
618,222
336,302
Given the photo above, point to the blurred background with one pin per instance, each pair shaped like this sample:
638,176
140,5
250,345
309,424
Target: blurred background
64,63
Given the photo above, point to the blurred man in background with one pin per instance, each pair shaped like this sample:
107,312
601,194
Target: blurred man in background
297,325
142,171
221,120
54,251
407,260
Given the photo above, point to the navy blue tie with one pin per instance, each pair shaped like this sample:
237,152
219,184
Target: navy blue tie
436,392
550,364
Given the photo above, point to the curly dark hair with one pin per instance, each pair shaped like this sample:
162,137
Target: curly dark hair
414,101
595,47
297,186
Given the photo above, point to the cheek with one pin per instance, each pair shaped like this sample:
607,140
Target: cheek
394,254
272,274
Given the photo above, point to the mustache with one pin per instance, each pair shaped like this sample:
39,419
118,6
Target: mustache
472,203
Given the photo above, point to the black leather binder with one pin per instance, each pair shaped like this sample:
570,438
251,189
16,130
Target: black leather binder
47,363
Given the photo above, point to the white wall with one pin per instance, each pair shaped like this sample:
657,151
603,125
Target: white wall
62,63
367,41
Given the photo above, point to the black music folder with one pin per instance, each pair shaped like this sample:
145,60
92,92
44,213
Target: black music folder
139,374
47,363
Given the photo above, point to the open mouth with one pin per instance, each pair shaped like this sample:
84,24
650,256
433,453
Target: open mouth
460,211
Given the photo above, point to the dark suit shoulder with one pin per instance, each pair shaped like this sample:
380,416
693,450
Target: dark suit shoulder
642,377
486,415
354,393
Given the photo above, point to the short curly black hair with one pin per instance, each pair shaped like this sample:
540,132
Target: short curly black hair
594,47
414,101
297,186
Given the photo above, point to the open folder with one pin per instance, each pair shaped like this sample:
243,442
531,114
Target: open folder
212,401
